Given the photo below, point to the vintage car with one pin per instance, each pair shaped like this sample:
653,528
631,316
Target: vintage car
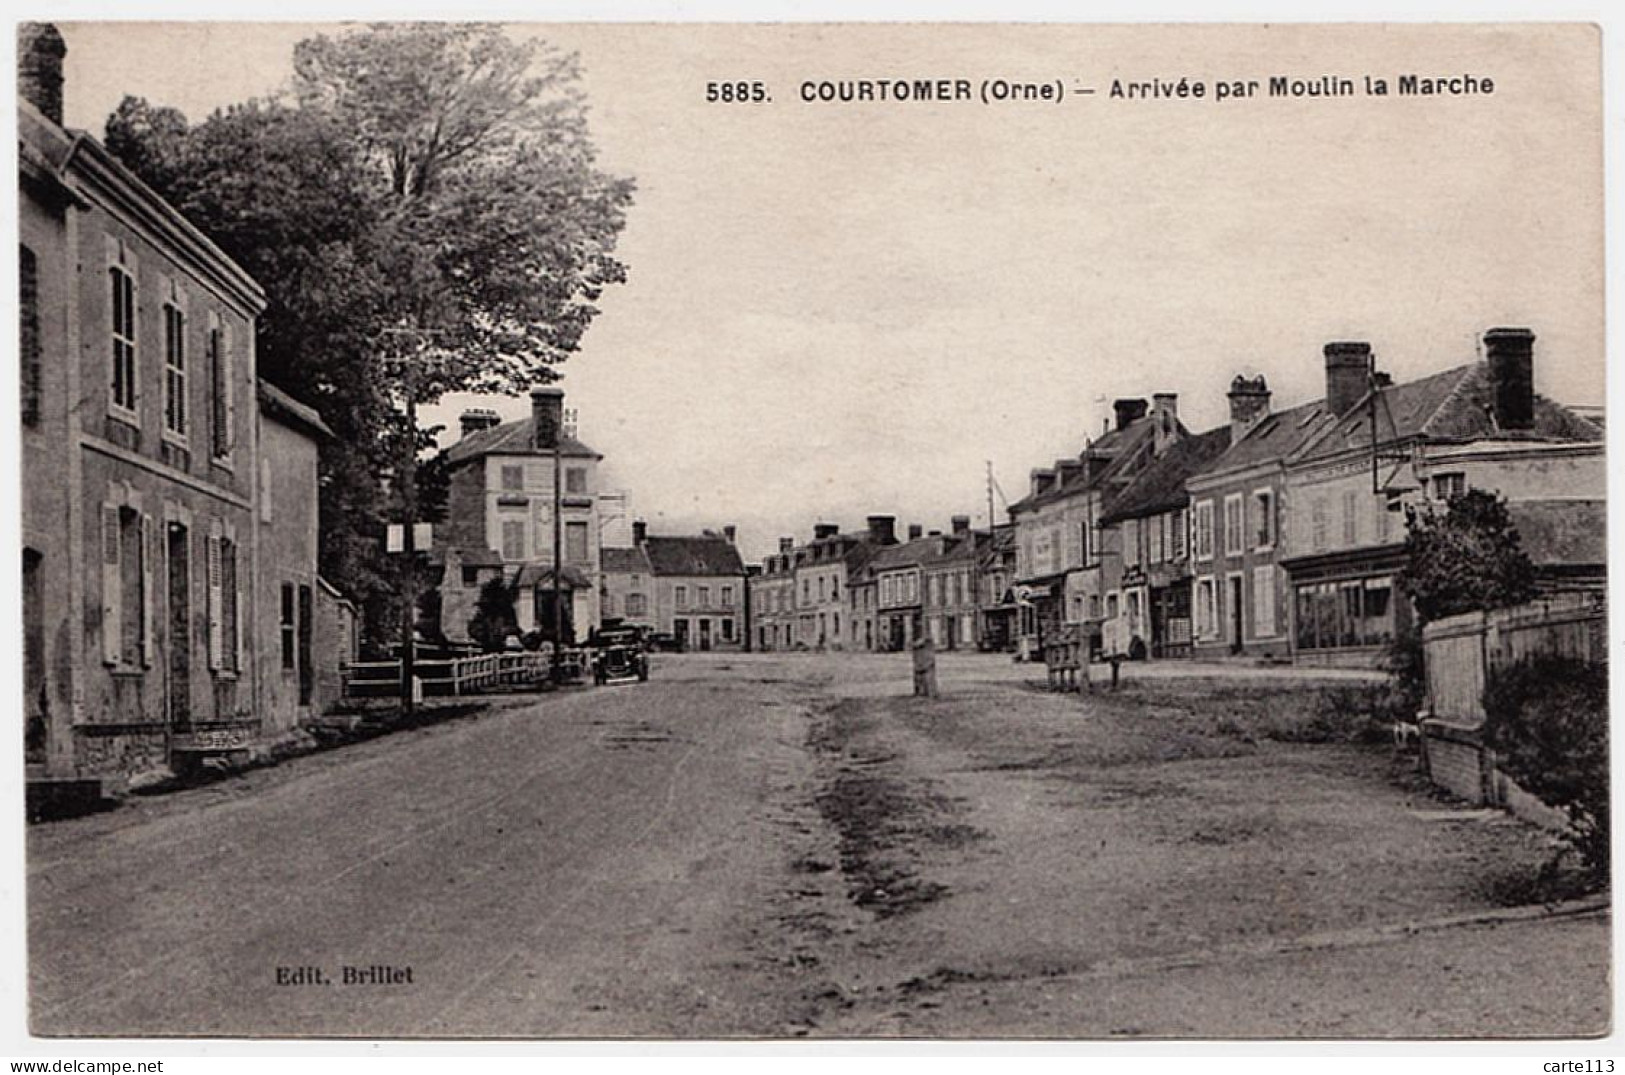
619,662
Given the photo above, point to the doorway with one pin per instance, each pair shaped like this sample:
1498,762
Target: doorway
1235,613
178,563
705,635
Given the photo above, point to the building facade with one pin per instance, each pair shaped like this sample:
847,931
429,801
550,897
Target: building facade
162,511
948,588
772,600
503,484
699,590
1414,446
628,596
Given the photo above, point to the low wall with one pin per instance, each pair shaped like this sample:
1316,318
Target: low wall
1458,761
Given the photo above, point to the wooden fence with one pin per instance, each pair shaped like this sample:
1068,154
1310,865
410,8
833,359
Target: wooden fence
1460,652
462,675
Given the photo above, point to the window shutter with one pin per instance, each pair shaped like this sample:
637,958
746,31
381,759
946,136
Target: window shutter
149,599
229,411
234,582
112,597
212,560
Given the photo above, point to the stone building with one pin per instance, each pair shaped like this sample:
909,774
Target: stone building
501,496
948,598
167,498
772,600
699,589
1067,564
289,435
1475,426
629,585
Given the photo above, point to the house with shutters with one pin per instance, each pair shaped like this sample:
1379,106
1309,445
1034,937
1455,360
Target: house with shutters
699,588
167,496
504,480
772,600
1386,449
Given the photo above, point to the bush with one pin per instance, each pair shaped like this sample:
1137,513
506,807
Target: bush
1547,720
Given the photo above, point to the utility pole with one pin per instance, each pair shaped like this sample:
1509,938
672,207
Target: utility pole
990,496
556,671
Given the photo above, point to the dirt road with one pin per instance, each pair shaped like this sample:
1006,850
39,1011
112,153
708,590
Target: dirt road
778,846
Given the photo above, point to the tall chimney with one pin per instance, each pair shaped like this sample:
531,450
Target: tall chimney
882,529
476,419
547,417
961,524
1511,356
1249,404
40,50
1164,420
731,532
640,531
1348,374
914,531
787,544
1128,410
825,530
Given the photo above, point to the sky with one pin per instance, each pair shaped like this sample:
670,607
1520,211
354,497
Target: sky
842,309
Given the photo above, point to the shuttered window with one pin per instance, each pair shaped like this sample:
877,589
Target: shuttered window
174,370
28,319
129,542
221,404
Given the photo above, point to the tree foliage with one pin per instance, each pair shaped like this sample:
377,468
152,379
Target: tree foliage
1546,717
494,616
425,214
1466,558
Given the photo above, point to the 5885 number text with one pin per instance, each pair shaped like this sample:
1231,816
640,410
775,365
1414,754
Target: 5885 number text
739,92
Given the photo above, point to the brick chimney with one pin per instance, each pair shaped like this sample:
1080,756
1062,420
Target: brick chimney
1510,353
882,529
787,544
40,50
1164,420
1127,410
547,417
1249,404
961,524
731,533
914,531
1348,374
476,419
640,531
825,530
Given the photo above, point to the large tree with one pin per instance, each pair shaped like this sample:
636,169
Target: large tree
425,214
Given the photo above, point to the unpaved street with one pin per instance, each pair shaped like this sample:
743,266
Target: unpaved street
758,845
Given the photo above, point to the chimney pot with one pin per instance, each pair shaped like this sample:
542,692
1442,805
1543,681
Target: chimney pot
1127,410
1510,353
475,419
914,531
40,50
883,529
1348,374
547,416
640,531
1249,404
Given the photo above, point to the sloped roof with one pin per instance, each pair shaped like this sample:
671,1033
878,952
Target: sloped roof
1161,485
909,554
702,555
1275,437
1454,405
512,438
631,561
289,411
1562,532
1103,459
956,548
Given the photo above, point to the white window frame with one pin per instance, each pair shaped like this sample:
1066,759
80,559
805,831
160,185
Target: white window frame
177,410
122,260
1204,508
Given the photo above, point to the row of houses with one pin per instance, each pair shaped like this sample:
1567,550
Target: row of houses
171,602
870,591
1281,533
